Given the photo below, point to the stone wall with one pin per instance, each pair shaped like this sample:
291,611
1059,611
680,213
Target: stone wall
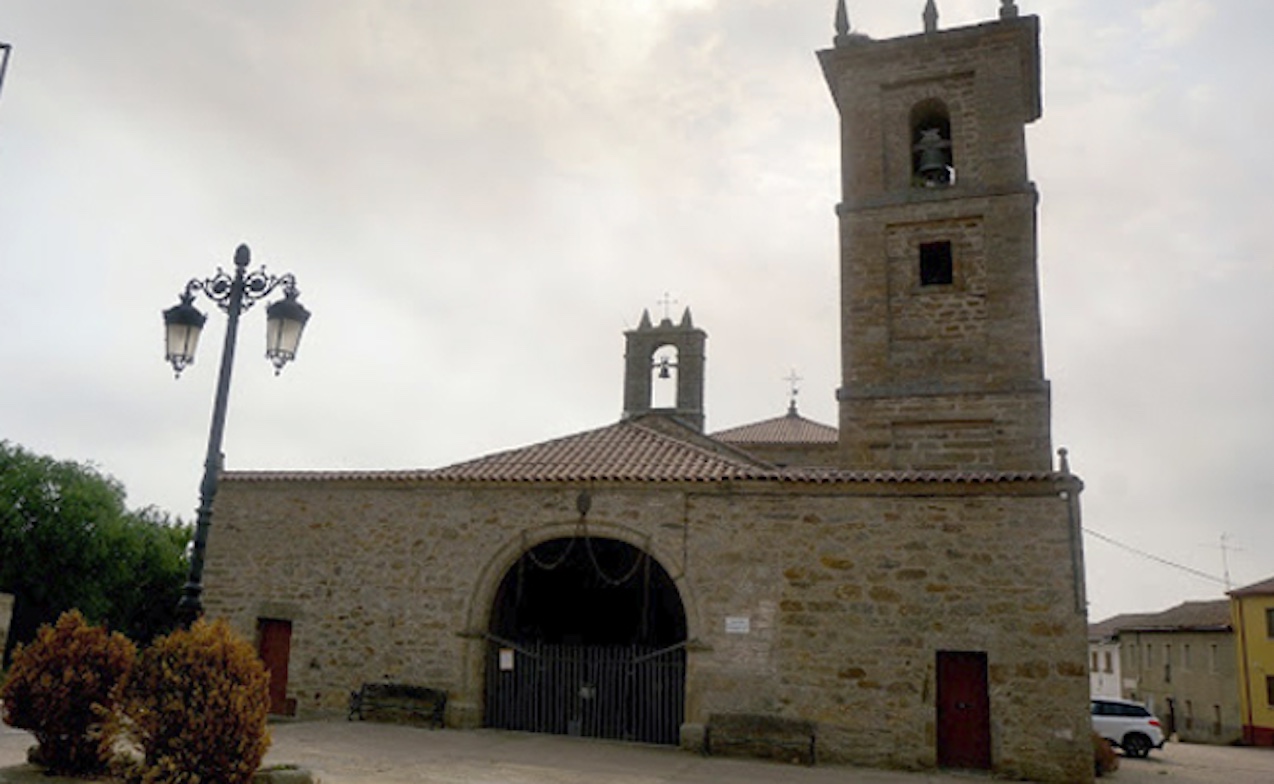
850,591
940,374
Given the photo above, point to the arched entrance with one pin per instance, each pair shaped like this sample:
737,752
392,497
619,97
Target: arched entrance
587,637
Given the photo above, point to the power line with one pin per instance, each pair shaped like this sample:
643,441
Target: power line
1156,558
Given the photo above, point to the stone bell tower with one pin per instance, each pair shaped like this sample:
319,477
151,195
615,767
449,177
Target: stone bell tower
942,363
641,364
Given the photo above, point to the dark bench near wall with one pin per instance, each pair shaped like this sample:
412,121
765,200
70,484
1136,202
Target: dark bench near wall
399,703
755,735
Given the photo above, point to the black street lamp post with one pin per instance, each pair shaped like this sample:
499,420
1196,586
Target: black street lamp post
285,320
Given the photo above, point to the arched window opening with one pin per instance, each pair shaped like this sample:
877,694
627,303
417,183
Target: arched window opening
663,378
932,157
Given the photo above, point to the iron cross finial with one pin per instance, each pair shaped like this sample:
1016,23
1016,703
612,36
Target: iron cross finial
794,389
667,302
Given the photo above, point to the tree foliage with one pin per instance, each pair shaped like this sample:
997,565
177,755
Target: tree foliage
68,541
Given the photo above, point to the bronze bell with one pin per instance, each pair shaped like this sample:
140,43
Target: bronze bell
934,163
664,366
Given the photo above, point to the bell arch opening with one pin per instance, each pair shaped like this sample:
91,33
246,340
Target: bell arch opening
664,378
587,637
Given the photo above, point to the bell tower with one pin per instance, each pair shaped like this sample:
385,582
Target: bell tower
682,365
941,351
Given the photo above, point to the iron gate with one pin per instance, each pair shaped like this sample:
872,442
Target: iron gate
630,692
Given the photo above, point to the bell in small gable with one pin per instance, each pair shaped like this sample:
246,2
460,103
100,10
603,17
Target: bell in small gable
933,159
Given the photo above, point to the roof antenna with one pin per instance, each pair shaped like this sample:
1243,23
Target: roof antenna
1008,9
931,17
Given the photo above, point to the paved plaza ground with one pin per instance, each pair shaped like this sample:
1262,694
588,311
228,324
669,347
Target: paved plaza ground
366,753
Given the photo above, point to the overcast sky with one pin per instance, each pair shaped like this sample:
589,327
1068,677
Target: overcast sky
477,199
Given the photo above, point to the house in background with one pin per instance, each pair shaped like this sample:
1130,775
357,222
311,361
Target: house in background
1181,664
1252,611
1104,671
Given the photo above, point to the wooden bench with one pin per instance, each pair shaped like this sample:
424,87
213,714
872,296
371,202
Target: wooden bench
398,702
757,735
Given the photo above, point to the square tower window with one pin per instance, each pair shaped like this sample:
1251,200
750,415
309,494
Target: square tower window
936,268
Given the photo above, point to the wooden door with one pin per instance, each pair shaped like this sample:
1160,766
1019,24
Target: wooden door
275,649
964,711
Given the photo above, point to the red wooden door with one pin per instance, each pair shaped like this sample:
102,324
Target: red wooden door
275,649
964,711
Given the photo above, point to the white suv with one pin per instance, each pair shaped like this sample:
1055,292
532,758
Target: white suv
1128,725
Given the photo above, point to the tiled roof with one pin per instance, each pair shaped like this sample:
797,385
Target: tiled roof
1210,615
791,428
628,451
636,450
1111,626
1263,588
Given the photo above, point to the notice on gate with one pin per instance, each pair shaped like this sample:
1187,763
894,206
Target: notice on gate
738,624
506,660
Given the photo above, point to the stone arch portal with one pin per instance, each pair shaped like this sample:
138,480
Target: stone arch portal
587,637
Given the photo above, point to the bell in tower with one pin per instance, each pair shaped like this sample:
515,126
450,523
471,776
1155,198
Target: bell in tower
933,158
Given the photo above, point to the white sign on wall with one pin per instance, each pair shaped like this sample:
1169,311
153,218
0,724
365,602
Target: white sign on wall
738,624
506,660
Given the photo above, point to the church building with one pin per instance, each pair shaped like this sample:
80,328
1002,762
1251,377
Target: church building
907,585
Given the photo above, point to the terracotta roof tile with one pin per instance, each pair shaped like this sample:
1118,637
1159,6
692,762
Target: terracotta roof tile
627,451
791,428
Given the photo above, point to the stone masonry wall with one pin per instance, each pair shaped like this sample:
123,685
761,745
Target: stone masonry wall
850,592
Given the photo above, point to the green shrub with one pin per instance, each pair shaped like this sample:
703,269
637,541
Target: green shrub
196,705
60,688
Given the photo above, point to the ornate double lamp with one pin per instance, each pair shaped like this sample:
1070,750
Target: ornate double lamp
285,321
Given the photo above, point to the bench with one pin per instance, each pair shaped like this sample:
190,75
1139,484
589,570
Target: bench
398,702
757,735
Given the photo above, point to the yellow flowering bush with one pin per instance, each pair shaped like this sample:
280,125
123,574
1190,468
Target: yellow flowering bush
61,686
195,705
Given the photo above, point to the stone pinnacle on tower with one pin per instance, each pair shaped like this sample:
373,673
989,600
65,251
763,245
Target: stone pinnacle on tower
842,24
1008,9
931,17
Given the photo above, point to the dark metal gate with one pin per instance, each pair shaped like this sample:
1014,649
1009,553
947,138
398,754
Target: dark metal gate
630,692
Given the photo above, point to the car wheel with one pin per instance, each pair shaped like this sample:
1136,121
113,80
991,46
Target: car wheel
1136,745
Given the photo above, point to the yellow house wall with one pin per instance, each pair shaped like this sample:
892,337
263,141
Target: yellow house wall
1255,661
